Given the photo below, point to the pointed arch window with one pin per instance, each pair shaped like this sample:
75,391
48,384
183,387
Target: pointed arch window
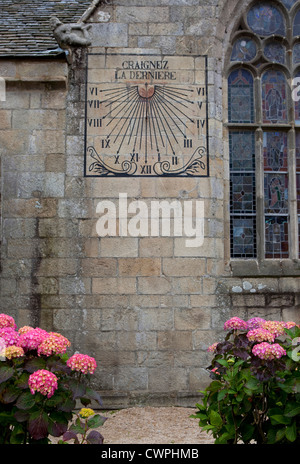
264,133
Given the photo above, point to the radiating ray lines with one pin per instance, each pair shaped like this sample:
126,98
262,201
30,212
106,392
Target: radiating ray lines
153,121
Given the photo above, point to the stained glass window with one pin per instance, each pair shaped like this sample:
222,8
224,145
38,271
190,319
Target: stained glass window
264,19
296,25
288,3
264,134
275,52
243,244
274,97
276,193
242,142
296,98
275,151
242,192
298,180
296,53
240,96
276,231
244,49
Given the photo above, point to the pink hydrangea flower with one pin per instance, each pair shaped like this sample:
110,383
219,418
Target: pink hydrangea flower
212,348
14,351
235,323
7,321
44,382
289,324
82,363
268,351
53,344
275,327
9,335
31,339
25,329
255,323
260,335
215,371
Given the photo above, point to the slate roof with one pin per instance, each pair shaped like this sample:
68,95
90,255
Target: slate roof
25,28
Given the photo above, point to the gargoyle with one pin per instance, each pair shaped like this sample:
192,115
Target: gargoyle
70,35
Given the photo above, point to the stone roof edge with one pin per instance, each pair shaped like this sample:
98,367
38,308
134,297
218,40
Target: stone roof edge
94,5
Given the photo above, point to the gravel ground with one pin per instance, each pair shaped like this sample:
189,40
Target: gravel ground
161,425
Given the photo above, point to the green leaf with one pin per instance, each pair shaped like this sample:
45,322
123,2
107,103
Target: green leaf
223,362
222,394
291,432
18,435
199,415
293,412
22,381
6,418
96,421
215,418
6,373
68,405
223,439
10,394
252,384
207,427
280,434
280,419
214,386
25,401
201,407
247,432
78,427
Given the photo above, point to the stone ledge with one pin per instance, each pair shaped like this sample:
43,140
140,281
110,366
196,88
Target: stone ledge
121,400
266,268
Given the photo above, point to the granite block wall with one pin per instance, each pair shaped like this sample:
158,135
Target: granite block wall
146,307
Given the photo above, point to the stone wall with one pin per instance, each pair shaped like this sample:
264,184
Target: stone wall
146,308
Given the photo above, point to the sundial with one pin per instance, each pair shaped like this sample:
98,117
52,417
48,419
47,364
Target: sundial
146,116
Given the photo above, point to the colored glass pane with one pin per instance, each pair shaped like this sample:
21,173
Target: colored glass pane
240,96
242,193
242,150
244,49
243,240
296,24
276,237
299,233
288,3
275,52
296,98
275,151
276,193
274,97
298,171
298,191
264,19
296,53
298,151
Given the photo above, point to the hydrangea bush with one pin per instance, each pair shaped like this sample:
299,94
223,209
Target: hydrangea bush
41,386
254,395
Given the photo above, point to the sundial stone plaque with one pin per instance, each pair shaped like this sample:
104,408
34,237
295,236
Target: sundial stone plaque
146,116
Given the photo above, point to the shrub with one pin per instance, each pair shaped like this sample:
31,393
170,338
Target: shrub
254,395
80,431
41,386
